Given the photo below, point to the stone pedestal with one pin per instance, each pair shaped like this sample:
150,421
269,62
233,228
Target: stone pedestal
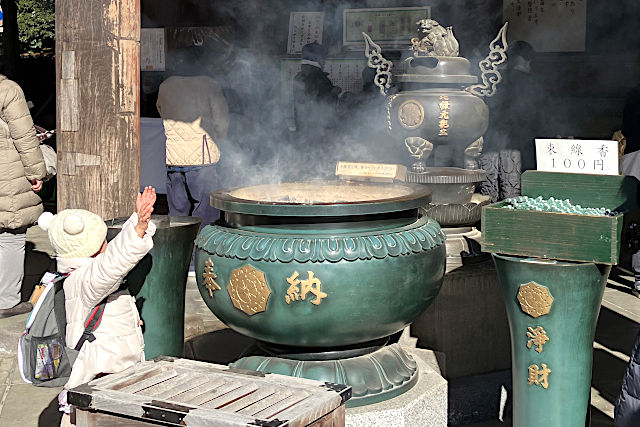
467,322
459,240
424,404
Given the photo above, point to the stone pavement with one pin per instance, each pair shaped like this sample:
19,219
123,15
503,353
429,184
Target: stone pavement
25,405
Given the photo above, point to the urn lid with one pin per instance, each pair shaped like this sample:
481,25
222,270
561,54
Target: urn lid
436,70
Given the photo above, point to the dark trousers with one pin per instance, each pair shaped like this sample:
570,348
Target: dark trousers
189,190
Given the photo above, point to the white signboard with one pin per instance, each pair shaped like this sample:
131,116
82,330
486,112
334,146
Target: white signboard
304,28
386,26
152,55
549,25
577,156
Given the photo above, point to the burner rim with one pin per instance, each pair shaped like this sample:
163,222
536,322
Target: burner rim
420,196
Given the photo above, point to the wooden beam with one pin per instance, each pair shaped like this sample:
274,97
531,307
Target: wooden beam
98,105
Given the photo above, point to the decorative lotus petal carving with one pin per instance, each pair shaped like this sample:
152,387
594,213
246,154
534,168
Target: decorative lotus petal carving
424,235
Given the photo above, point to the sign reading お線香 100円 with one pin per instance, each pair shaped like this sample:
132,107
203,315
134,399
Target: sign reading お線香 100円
577,156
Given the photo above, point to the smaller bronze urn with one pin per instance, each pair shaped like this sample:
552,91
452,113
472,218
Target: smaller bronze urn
439,102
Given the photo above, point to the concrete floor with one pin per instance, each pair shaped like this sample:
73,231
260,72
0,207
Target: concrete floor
25,405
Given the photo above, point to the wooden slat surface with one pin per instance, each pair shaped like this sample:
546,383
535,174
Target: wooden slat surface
223,389
250,399
149,382
197,394
210,395
284,404
134,378
172,393
178,382
313,409
265,403
230,397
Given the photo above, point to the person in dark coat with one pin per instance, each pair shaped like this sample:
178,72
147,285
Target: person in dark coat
630,166
627,409
631,120
316,100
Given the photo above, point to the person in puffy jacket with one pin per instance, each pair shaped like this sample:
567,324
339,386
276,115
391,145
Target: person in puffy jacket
96,271
22,169
195,116
627,409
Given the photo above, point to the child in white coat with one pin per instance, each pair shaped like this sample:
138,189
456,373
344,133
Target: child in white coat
96,271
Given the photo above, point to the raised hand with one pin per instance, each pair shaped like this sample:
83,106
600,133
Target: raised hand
144,208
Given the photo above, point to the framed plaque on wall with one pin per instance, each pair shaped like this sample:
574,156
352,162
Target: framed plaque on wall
388,27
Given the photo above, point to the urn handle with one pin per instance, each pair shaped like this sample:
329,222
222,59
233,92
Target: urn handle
489,66
375,60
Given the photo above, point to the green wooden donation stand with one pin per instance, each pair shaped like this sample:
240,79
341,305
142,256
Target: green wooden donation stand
553,268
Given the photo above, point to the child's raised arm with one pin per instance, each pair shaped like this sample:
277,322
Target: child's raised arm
144,208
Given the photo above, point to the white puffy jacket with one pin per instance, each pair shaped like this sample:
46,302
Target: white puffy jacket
118,344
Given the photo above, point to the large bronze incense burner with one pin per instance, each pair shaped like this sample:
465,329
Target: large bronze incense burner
321,274
438,105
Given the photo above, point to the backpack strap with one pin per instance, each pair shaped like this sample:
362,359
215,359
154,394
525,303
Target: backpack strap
58,305
90,325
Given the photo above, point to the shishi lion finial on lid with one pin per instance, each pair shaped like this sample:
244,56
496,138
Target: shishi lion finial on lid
435,40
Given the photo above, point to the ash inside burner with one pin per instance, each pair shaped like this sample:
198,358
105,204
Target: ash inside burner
322,192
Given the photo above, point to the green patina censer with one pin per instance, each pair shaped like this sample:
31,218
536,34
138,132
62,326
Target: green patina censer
553,261
322,274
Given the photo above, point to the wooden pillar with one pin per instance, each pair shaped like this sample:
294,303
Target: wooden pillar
98,105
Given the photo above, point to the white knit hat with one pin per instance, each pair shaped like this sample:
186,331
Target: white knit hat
74,233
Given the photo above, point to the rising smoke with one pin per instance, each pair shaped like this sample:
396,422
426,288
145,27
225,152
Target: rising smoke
262,146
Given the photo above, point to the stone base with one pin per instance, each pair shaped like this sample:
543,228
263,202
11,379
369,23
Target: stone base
463,239
424,404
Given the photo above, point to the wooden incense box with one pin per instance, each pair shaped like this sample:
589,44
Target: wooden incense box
563,236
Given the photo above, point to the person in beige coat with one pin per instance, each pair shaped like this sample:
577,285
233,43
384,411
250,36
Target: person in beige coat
22,169
96,271
195,116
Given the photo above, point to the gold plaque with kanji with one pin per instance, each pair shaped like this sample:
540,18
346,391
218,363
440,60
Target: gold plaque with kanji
535,299
248,290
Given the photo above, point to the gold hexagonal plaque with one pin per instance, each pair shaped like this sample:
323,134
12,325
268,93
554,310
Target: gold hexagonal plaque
411,114
248,290
535,299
